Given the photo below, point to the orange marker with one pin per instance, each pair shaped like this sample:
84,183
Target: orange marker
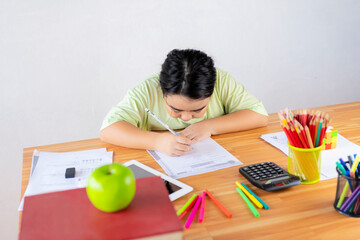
219,205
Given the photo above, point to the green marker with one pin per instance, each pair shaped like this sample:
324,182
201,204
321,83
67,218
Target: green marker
181,210
341,168
250,205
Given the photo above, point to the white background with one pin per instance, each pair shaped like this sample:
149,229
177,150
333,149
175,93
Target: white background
63,64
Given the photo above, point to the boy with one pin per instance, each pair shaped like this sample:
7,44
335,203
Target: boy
190,94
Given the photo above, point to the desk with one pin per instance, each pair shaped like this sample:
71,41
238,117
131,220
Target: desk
303,212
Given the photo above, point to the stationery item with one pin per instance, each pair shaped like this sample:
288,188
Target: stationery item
268,176
202,207
161,122
193,212
305,163
250,205
205,156
70,215
70,172
259,199
309,128
175,188
219,205
347,202
186,205
188,208
48,168
249,195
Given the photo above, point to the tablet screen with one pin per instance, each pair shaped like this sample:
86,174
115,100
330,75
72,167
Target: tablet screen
141,173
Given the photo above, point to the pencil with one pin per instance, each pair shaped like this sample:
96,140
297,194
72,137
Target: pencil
219,205
161,122
308,136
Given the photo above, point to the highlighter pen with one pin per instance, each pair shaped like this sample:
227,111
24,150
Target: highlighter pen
344,165
182,209
259,199
161,122
249,195
202,207
193,212
188,208
247,201
218,204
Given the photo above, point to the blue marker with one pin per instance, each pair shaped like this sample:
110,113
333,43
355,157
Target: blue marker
259,199
348,175
344,165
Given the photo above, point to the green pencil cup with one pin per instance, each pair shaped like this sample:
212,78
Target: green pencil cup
305,163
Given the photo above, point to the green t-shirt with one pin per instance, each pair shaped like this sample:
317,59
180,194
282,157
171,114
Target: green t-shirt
228,96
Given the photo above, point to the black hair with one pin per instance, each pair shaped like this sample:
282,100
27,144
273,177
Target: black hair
190,73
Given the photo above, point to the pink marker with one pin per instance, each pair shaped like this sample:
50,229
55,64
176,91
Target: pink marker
202,207
193,212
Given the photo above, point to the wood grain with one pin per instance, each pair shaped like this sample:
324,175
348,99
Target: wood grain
301,212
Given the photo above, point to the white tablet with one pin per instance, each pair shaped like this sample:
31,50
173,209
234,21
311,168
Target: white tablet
175,188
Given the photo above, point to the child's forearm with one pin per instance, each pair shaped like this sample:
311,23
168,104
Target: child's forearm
127,135
237,121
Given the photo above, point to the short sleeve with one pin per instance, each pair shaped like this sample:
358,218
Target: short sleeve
234,95
132,108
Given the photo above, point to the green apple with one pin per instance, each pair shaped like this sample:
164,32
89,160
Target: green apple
111,187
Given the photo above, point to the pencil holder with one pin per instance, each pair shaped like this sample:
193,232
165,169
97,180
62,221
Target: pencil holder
347,198
305,163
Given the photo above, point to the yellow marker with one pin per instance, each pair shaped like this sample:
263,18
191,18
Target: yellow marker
355,164
249,195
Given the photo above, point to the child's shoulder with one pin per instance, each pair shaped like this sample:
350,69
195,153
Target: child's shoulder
149,84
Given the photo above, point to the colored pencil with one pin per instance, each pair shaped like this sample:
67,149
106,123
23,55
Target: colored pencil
305,128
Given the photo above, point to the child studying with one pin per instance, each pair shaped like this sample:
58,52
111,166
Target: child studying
189,94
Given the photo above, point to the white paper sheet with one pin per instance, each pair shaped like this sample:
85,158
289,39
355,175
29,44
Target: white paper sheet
328,157
48,170
206,156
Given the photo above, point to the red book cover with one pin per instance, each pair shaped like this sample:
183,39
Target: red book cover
70,215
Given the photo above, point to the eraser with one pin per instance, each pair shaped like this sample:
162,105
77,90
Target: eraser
70,172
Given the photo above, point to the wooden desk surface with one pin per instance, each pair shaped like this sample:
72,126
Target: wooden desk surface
300,212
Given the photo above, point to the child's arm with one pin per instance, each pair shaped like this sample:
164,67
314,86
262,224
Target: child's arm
125,134
237,121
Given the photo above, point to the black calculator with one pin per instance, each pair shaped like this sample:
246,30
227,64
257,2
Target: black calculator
269,176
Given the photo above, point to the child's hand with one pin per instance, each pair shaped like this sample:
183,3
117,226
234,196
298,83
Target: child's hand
196,132
173,145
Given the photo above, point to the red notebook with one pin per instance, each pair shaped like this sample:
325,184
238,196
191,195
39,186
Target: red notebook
70,215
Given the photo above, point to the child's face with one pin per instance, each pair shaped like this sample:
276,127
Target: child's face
179,106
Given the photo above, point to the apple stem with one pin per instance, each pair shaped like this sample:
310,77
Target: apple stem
110,168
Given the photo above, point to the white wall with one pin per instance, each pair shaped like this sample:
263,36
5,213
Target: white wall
63,64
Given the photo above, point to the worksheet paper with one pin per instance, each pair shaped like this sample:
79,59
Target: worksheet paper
48,170
206,156
328,157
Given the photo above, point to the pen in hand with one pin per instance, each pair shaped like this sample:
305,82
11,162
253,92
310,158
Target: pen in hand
161,122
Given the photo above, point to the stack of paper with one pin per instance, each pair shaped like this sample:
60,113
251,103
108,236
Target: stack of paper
48,170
